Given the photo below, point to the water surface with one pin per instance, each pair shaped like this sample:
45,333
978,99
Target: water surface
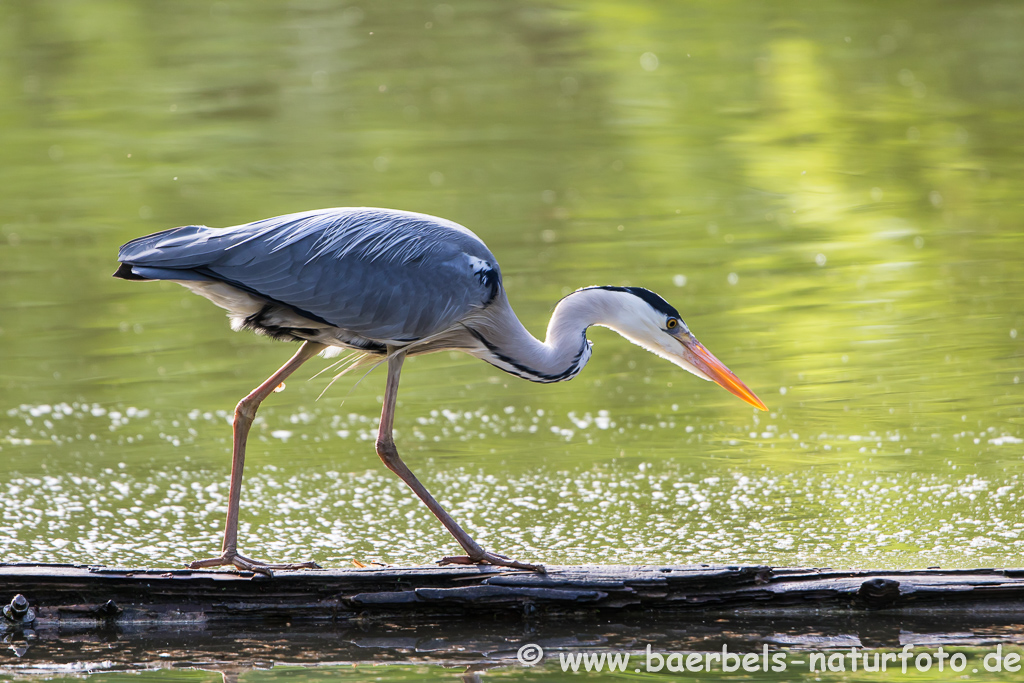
830,195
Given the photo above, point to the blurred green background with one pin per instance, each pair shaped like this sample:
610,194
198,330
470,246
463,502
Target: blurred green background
829,192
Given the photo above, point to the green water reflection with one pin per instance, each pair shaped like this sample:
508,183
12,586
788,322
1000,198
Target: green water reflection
829,193
557,667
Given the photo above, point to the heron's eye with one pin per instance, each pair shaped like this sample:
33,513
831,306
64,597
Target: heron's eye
672,323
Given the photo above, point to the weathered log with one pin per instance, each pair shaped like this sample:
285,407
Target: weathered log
69,593
131,618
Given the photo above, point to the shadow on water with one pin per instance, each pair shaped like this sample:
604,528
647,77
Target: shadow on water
484,647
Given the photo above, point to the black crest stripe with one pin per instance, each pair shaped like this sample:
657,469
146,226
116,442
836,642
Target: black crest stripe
652,299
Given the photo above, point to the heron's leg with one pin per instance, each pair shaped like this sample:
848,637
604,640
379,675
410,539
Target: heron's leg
387,451
245,412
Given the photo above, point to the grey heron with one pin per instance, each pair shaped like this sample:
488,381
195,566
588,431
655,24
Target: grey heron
391,284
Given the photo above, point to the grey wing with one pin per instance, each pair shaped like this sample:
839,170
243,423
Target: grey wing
384,275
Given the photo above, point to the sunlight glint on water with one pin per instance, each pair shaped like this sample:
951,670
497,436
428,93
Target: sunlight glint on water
625,510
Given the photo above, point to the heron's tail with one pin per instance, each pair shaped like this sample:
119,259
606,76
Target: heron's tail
173,254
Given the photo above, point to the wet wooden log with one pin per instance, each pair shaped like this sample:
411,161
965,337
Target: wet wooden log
68,594
84,618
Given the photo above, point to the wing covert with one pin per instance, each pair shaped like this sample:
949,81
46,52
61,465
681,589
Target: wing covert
383,274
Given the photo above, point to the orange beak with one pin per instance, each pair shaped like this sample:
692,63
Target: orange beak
712,368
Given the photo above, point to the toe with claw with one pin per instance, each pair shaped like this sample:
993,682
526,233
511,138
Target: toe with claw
247,564
492,559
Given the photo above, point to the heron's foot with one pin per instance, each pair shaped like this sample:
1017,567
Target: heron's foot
247,564
492,559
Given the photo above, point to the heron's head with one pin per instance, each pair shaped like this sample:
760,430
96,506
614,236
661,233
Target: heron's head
647,320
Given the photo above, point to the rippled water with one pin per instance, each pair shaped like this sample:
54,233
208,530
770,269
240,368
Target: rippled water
623,509
830,195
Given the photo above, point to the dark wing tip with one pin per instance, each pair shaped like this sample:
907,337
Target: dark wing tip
124,271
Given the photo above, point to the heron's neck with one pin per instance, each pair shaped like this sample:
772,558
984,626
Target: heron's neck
565,350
